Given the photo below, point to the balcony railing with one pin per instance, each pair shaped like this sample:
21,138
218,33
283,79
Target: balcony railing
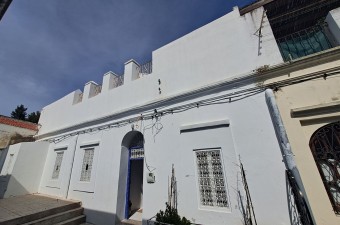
303,43
145,69
97,90
118,81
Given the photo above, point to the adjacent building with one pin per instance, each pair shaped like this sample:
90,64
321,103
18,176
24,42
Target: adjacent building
13,131
4,4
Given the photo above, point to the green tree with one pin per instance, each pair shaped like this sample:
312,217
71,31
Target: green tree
19,113
33,117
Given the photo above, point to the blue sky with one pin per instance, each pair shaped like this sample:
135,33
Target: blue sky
50,48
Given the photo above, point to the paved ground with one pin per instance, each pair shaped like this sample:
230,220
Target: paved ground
14,207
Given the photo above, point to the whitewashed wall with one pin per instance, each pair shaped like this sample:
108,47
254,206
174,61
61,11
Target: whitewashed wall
333,21
221,50
22,170
250,136
58,187
224,48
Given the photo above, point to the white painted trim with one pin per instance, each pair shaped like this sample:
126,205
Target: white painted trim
206,124
131,61
60,148
86,144
91,82
313,110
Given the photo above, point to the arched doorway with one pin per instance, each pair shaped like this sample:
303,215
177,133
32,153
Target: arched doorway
325,146
130,190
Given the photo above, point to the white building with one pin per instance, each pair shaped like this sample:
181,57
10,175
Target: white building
199,109
13,131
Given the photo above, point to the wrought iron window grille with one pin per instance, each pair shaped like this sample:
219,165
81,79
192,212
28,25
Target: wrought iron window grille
325,147
137,153
298,209
57,165
211,179
87,165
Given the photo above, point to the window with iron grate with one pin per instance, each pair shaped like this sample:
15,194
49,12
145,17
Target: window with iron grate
137,153
325,146
57,165
87,165
211,178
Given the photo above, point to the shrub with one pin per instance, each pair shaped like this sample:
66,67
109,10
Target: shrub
170,216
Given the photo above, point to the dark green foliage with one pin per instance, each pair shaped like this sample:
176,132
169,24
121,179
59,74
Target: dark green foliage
33,117
19,113
170,216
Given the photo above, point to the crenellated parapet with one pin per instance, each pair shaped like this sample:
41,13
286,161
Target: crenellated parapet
111,80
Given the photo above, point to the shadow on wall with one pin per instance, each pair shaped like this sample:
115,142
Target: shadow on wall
100,217
4,181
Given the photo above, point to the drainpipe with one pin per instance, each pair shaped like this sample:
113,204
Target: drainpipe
286,151
73,157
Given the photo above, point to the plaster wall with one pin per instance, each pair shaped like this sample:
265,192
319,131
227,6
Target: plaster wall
250,136
58,187
224,48
315,94
23,168
333,21
221,50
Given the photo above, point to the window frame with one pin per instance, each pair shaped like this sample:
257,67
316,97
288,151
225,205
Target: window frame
57,152
214,207
87,167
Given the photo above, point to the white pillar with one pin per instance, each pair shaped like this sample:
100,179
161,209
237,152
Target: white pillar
131,71
89,90
333,21
110,80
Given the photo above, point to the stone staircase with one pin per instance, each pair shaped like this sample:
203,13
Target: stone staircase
135,219
59,213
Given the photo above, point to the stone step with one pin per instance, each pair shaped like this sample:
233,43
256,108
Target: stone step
131,222
74,221
41,214
57,218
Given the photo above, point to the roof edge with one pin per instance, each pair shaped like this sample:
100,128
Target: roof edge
254,5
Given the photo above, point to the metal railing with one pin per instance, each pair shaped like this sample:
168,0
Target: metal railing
145,69
80,98
97,90
303,43
118,81
298,210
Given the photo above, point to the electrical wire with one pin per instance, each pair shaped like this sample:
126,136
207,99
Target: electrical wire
221,99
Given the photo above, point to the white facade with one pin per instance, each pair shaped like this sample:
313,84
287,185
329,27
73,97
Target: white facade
94,132
22,170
